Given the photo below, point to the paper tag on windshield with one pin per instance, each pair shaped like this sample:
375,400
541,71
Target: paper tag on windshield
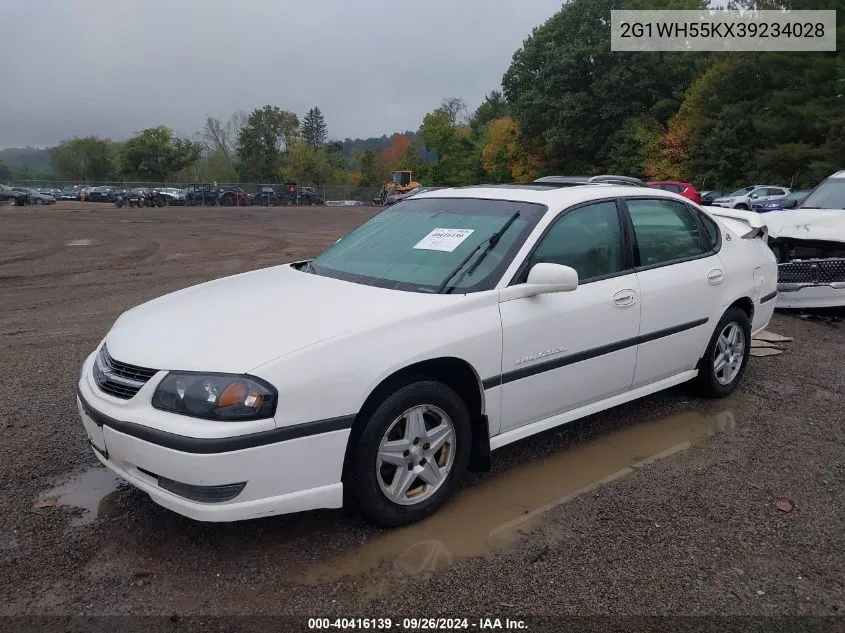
446,240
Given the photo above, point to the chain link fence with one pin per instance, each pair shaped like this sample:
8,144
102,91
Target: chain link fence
200,194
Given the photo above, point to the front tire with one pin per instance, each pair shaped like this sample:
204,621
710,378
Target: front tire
411,454
726,358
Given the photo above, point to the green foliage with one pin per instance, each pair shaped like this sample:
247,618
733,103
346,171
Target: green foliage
314,129
773,117
266,134
493,107
5,172
156,154
568,91
308,165
88,159
458,157
367,163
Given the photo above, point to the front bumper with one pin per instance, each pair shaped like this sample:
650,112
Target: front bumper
812,283
300,471
809,296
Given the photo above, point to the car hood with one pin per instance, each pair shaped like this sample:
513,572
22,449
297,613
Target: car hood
801,224
238,323
808,224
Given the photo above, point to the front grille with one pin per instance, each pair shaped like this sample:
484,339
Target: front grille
812,271
117,379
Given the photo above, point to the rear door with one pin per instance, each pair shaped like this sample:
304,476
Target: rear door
681,279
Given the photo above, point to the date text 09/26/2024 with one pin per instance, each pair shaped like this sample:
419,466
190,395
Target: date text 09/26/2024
417,624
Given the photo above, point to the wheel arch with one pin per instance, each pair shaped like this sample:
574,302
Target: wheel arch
455,372
746,304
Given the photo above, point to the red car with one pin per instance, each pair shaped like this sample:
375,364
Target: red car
683,188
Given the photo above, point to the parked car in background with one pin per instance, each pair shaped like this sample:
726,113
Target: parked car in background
232,197
84,192
201,195
548,303
175,197
275,195
789,202
131,197
683,188
707,197
13,197
809,244
309,195
36,196
265,196
70,192
102,194
745,197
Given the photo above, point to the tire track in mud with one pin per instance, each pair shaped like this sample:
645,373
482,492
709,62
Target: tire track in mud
147,251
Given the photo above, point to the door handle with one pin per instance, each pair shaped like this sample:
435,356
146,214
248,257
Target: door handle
715,277
625,298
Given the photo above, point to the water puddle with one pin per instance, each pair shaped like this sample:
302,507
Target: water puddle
491,515
84,242
95,491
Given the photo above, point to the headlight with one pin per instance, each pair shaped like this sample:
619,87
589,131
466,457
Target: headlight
224,397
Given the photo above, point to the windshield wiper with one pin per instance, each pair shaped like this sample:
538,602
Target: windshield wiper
490,243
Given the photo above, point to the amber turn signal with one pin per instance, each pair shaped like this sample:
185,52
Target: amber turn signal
232,395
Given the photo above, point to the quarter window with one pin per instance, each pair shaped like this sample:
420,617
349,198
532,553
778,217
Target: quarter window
711,231
588,239
665,230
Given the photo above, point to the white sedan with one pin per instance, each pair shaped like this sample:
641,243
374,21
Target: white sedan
447,326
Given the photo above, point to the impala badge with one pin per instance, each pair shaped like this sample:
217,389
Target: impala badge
539,355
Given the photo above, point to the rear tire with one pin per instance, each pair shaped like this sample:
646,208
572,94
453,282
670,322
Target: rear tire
426,411
726,358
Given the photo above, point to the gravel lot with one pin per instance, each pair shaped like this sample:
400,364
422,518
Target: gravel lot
664,506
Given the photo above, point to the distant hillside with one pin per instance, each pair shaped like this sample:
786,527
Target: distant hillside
31,157
351,147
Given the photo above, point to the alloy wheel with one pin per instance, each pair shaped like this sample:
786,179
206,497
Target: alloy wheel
416,455
729,353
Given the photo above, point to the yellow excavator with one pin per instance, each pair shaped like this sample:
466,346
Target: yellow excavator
401,181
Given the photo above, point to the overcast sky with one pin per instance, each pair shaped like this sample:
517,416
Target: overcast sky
113,67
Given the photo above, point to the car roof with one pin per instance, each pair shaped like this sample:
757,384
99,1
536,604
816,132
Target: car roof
549,195
839,174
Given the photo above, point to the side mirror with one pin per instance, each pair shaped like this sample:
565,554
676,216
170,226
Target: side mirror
753,196
542,279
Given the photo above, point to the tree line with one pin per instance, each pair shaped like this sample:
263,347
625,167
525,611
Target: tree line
568,105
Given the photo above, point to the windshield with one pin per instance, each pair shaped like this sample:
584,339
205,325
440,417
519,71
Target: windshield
415,244
828,195
741,192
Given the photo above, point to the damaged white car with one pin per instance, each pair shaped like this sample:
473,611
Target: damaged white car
809,244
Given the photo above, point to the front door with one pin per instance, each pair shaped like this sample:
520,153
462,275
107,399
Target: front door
567,349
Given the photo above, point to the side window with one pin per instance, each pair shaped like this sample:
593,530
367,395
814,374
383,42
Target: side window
588,239
665,230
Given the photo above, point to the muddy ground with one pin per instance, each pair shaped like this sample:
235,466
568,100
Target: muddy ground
664,506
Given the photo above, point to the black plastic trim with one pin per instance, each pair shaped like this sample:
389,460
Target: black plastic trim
768,297
580,357
210,446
